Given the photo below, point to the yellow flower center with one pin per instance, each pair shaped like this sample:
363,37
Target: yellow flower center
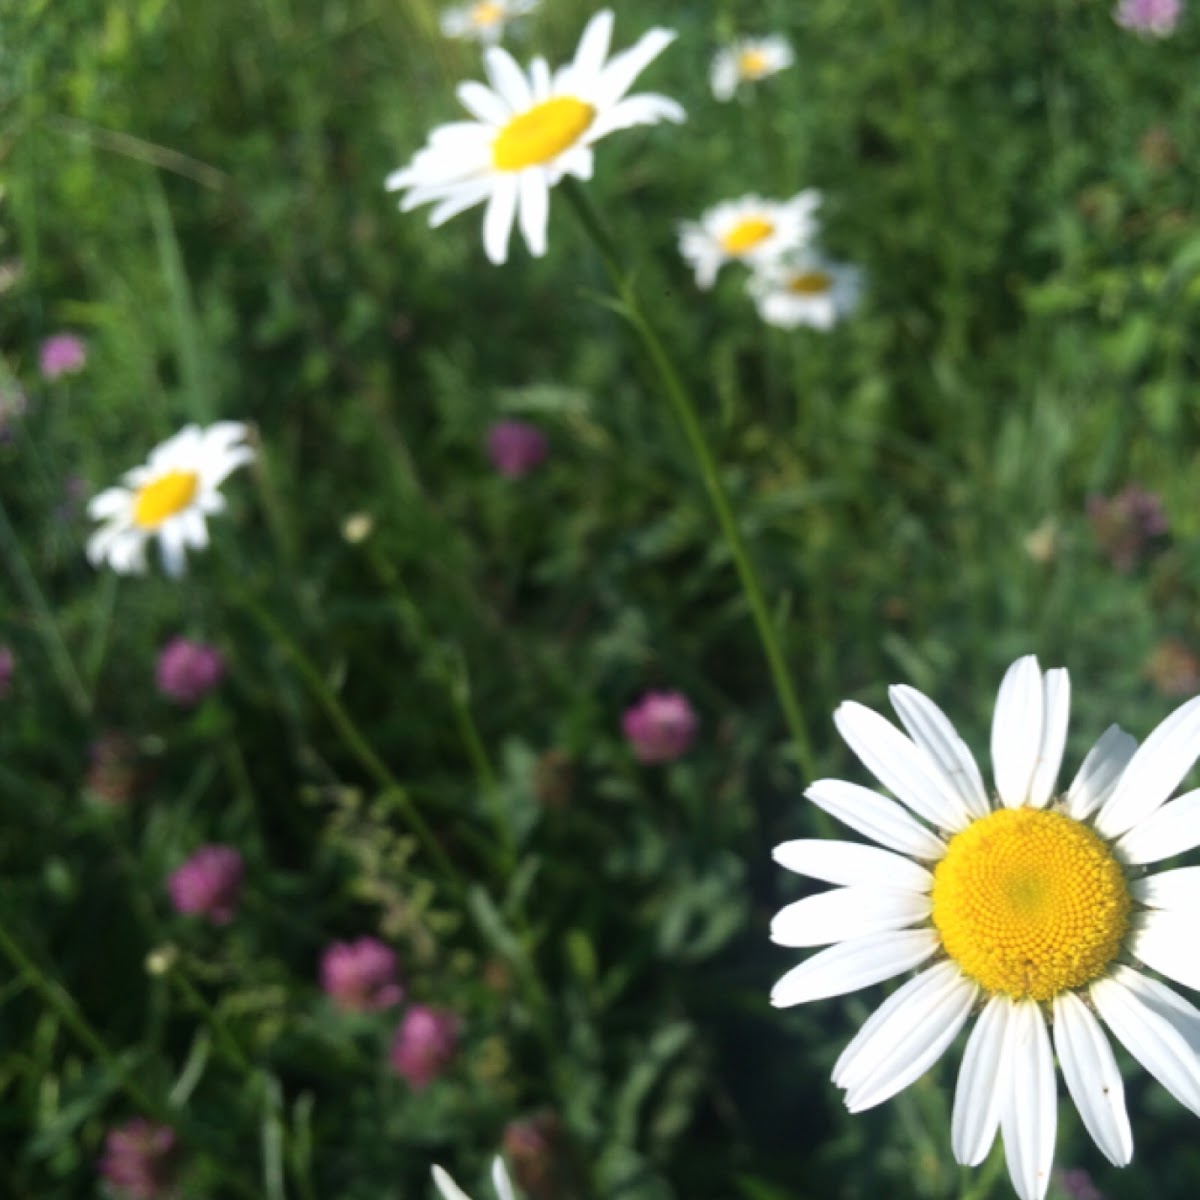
746,234
164,497
809,283
752,64
1030,903
485,15
542,133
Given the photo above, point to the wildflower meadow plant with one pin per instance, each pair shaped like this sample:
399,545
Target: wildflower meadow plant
484,21
141,1160
425,1044
449,1190
187,671
209,884
531,129
660,727
62,354
516,448
748,61
806,289
360,976
1150,18
1029,902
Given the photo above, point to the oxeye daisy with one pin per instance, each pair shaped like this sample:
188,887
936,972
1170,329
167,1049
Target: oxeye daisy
450,1190
1028,906
748,60
485,21
750,230
806,289
530,129
168,498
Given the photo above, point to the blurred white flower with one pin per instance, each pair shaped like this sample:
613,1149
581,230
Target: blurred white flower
807,289
531,129
168,498
500,1181
748,60
484,21
750,230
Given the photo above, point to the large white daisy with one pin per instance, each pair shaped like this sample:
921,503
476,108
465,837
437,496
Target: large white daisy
748,60
751,230
168,498
1029,906
484,21
805,289
530,129
500,1181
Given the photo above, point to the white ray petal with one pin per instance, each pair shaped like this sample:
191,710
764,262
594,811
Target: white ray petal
483,103
1029,1115
845,913
850,863
467,195
642,109
1154,772
876,817
540,79
982,1084
1151,1038
1179,1013
1017,730
593,45
501,1181
1166,942
622,69
498,219
1172,829
1056,712
1100,772
1092,1077
507,79
448,1188
932,730
533,209
1177,890
901,766
849,966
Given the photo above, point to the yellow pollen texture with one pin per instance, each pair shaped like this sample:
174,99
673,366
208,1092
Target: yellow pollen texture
542,133
746,234
164,497
809,283
1030,903
752,64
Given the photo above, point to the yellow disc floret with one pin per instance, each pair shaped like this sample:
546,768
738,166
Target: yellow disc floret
1030,903
164,497
809,283
542,133
746,234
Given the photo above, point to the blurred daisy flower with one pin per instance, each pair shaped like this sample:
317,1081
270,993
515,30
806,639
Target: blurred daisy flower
531,129
807,289
750,230
747,61
1028,904
449,1190
168,498
484,21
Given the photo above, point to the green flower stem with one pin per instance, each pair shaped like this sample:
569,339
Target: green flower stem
685,411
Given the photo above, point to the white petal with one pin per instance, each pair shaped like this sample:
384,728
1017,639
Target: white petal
171,548
931,729
905,1036
108,503
533,208
1167,943
507,78
849,863
500,1180
449,1189
1173,829
483,103
901,766
1017,730
982,1084
1092,1077
540,79
498,219
1151,1039
1182,1016
845,913
1100,772
622,69
593,44
876,817
849,966
467,195
1178,890
1056,712
643,109
1028,1119
1154,772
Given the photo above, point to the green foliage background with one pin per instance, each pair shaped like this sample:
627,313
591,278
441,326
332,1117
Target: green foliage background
197,188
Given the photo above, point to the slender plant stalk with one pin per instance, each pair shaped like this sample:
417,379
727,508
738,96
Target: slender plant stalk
685,411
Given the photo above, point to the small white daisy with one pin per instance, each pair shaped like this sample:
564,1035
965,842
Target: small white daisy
805,289
500,1181
484,21
530,130
748,60
1030,906
168,498
750,230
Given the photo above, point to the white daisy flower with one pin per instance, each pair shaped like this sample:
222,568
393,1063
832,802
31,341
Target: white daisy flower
530,130
1029,905
805,289
168,498
500,1181
750,230
748,60
484,21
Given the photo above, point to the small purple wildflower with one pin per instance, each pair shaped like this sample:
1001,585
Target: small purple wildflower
1078,1185
1150,18
424,1044
516,448
187,671
360,976
209,884
1126,523
62,354
140,1160
660,727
